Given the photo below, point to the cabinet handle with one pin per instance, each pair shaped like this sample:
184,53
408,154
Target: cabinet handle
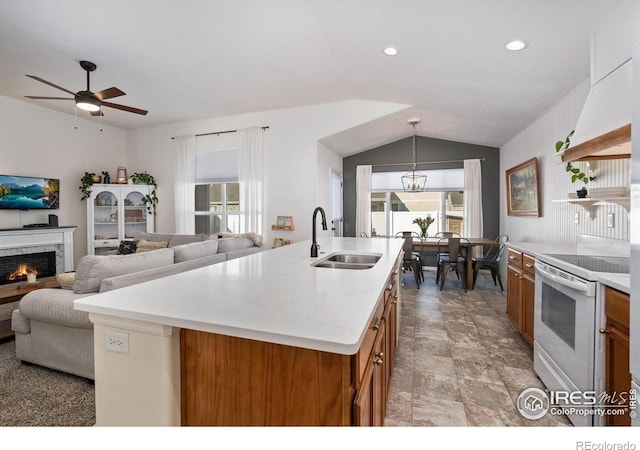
603,331
512,257
395,272
528,265
380,355
376,326
378,361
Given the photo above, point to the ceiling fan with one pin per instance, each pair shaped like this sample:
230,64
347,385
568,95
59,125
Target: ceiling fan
87,100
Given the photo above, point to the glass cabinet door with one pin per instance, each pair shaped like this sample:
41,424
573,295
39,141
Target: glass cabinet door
135,214
105,220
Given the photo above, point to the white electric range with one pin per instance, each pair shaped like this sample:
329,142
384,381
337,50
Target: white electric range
569,309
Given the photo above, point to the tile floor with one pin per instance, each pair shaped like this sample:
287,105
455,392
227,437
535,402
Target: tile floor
460,361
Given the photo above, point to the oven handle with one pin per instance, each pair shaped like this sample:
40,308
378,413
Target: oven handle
574,284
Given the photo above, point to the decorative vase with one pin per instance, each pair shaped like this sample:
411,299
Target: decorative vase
96,178
107,179
582,193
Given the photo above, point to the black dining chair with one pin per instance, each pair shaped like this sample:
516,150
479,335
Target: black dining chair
412,235
454,259
491,260
410,261
363,234
444,234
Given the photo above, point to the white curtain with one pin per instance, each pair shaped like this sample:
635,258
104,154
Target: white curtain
473,224
363,200
250,178
184,182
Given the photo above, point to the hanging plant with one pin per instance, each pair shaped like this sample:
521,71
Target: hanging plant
85,185
150,200
576,173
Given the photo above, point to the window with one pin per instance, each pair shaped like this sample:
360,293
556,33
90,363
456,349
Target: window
393,210
217,208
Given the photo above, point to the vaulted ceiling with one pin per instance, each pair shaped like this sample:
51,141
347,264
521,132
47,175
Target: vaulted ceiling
193,59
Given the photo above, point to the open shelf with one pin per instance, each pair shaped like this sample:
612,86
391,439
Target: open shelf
591,204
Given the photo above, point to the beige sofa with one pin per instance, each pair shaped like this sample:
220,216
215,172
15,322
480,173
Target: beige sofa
51,333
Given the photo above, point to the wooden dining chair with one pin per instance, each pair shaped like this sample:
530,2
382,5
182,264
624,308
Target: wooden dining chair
454,259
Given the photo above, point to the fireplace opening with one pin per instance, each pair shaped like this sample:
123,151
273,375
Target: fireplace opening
16,268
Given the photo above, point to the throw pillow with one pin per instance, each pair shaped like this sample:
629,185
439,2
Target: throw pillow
66,280
127,247
147,246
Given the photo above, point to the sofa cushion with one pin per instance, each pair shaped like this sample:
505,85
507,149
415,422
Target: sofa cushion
236,243
187,252
54,306
147,246
181,239
66,280
93,269
154,237
127,247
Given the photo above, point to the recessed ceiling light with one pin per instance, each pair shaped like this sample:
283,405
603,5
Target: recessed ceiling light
516,45
390,51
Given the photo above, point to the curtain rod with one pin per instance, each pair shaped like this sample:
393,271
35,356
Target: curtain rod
424,162
218,133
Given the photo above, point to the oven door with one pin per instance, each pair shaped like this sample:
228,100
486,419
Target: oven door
564,327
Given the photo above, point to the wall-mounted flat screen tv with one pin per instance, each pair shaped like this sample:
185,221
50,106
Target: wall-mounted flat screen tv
29,192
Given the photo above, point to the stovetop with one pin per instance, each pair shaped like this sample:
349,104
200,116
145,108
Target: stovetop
593,263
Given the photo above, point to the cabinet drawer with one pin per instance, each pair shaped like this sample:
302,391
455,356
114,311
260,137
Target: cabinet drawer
528,264
514,258
367,342
616,306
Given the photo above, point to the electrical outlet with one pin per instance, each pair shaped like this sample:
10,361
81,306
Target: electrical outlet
116,342
610,220
576,218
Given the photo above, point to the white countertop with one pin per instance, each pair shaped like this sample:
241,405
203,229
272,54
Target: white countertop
273,296
617,281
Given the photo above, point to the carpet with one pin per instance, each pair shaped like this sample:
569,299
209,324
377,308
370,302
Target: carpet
31,395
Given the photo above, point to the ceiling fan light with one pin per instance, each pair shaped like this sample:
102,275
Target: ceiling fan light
88,103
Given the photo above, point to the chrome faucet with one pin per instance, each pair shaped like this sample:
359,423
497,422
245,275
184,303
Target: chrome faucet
314,245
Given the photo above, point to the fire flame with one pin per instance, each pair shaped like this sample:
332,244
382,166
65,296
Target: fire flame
21,272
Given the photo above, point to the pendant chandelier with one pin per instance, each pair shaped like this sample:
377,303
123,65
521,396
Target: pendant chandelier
414,181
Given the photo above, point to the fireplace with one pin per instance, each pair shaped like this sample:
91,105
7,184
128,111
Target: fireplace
14,268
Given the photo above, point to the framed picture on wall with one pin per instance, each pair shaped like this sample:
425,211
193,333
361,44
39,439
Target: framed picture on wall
523,193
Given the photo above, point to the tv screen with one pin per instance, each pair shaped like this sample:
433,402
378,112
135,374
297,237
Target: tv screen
29,193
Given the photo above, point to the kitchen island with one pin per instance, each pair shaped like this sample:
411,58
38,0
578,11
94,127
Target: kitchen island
267,339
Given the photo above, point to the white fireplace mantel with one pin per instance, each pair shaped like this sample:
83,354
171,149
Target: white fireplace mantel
21,239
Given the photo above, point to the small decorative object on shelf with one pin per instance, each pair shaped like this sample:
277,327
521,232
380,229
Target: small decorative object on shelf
279,242
106,178
582,193
96,178
283,223
121,175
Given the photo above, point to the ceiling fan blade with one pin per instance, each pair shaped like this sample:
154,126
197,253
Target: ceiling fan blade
48,98
109,93
51,84
125,108
96,113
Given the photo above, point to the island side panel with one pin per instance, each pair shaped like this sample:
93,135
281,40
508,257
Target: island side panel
232,381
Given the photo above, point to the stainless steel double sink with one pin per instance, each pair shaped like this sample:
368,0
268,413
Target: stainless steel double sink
345,260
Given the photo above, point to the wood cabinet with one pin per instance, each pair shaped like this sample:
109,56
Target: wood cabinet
233,381
617,376
114,213
521,292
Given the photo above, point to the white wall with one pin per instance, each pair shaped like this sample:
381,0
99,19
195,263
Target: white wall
295,165
35,141
556,224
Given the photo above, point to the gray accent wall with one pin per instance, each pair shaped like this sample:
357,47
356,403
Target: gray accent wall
427,149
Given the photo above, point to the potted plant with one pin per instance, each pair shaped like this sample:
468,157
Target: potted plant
424,225
150,200
576,173
85,184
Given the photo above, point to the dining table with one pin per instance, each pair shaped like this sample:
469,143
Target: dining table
431,244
